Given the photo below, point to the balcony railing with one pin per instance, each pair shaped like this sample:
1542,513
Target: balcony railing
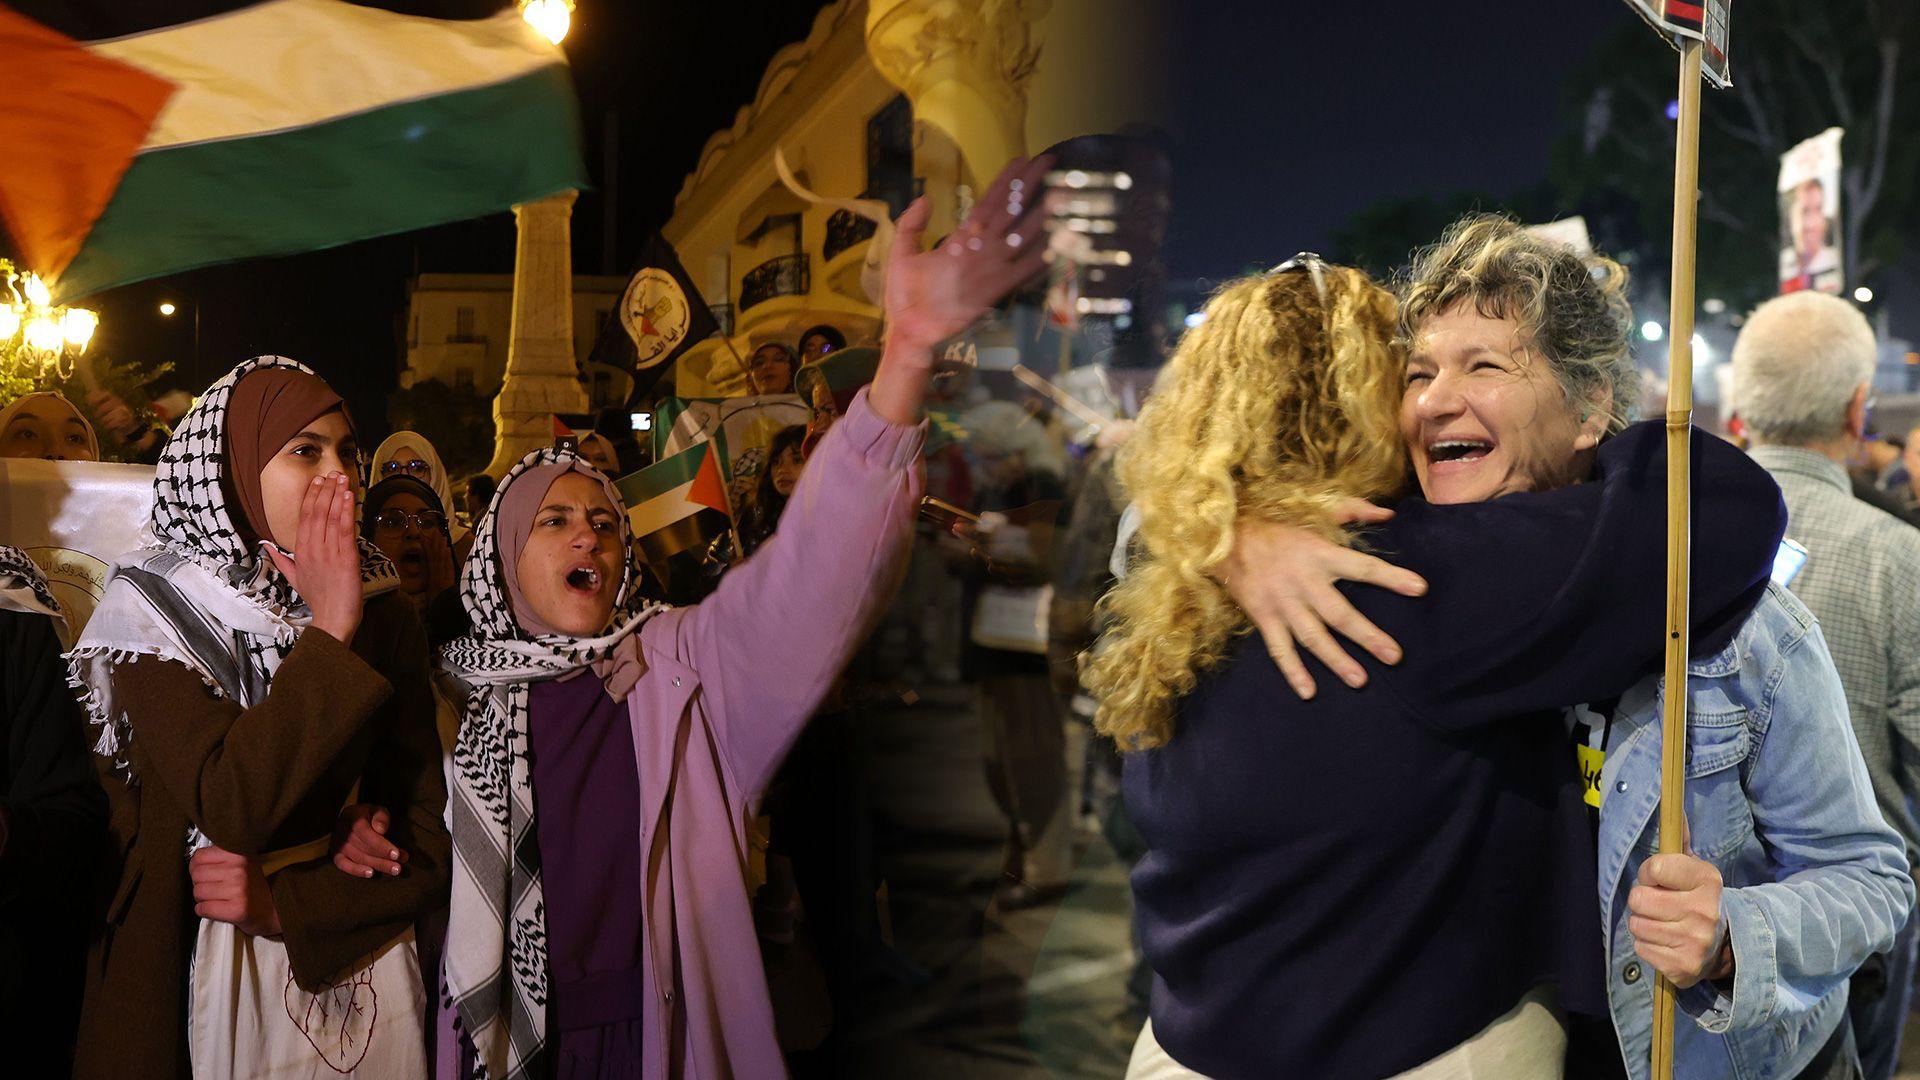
844,230
786,275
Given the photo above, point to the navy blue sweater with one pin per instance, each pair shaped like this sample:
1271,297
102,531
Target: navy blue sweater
1347,887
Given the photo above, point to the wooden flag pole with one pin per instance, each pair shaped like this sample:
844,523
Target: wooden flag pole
1673,746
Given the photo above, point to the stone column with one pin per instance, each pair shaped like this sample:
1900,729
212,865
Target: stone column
542,376
964,64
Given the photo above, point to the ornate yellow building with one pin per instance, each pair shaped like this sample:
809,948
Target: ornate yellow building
885,99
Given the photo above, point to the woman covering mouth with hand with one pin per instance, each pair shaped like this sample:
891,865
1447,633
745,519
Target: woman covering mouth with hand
244,677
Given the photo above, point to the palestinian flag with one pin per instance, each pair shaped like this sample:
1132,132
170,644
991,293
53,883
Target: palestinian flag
150,138
677,503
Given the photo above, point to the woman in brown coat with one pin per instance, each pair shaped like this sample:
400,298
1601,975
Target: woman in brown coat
246,677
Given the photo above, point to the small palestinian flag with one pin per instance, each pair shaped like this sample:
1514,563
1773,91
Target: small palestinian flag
841,374
571,426
677,504
172,134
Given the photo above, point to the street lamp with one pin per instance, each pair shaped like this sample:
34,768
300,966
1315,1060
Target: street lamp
550,17
167,308
39,340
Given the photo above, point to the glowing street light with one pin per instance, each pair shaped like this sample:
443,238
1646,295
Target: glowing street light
77,327
39,341
551,17
167,308
1652,331
1863,294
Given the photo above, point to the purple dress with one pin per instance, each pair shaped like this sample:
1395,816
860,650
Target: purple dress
587,803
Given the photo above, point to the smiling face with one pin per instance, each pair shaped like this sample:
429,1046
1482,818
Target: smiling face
324,446
404,541
47,427
569,570
1483,414
1809,218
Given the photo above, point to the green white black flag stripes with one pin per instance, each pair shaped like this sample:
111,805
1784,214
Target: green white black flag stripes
303,124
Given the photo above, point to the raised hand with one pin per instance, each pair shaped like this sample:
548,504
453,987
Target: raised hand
325,565
360,844
933,295
113,412
230,888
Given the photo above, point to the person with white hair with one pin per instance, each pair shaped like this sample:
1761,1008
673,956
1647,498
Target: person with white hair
1802,385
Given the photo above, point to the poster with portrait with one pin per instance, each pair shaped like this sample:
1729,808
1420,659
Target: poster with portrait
1810,216
74,518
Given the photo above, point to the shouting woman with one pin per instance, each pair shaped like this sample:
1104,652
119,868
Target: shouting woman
611,935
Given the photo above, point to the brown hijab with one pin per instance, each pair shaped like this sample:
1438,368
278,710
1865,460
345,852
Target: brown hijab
268,407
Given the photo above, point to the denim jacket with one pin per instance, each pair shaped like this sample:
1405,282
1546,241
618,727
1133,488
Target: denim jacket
1779,801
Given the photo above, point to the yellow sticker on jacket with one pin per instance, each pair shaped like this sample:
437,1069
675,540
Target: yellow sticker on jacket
1591,761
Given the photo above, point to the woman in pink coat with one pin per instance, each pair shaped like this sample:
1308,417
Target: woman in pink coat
612,936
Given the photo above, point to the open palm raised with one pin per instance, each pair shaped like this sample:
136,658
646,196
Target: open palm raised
934,295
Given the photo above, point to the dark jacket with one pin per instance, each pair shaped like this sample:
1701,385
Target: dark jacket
1347,887
254,781
51,814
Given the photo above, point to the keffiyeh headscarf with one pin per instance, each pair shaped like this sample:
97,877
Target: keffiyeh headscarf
201,593
23,587
496,959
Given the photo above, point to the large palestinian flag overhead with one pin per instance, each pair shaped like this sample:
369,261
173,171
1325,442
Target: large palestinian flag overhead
146,137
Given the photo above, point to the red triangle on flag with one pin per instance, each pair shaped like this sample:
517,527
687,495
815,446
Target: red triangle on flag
69,138
708,489
560,430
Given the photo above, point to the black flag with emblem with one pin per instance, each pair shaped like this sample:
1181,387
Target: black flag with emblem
661,315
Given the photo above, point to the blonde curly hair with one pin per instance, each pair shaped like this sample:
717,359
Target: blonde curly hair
1275,406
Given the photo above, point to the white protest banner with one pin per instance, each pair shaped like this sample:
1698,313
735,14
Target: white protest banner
74,518
1569,232
1810,221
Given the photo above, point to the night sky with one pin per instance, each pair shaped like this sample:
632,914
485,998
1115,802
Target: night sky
1292,123
1287,124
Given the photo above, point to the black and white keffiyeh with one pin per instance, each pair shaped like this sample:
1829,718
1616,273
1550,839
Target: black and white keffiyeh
195,593
23,587
496,954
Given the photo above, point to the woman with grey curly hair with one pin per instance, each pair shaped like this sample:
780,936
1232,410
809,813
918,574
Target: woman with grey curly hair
1518,367
1517,370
